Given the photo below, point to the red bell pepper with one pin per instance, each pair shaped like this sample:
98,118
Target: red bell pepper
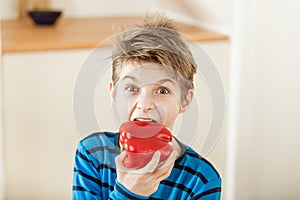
141,140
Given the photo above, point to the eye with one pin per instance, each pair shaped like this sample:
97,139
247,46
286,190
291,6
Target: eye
162,90
131,88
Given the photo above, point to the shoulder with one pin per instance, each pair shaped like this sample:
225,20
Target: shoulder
201,167
100,147
101,135
98,139
195,175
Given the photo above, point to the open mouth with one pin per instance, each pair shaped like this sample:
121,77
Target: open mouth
142,119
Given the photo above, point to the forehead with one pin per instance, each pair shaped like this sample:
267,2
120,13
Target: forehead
147,73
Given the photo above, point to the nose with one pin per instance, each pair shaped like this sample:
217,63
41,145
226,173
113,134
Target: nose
145,102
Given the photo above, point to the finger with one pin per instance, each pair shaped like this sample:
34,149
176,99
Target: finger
119,158
165,170
164,173
170,160
152,165
119,161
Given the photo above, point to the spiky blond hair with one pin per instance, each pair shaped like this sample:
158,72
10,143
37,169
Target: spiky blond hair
155,40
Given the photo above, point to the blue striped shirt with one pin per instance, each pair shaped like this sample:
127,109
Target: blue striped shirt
192,176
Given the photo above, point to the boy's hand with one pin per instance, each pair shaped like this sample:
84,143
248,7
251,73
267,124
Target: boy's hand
144,181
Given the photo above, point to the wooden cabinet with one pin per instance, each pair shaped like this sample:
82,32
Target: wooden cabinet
39,133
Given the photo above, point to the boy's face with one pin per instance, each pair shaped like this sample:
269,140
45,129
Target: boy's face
148,93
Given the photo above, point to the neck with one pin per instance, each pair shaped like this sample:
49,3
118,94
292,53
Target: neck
177,146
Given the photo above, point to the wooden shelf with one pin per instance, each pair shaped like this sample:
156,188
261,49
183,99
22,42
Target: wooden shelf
72,33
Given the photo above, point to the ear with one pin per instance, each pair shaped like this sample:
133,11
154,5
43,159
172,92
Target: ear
187,101
112,91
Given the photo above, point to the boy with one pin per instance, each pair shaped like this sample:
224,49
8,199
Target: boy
152,81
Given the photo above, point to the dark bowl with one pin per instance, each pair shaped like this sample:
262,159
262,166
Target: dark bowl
44,17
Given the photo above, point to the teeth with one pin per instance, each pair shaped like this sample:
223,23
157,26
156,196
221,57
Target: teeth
144,119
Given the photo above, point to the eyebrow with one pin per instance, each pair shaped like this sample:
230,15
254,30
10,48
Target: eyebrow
130,77
166,80
159,82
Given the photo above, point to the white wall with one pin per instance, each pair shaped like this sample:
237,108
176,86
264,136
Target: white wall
7,9
92,8
265,101
102,7
212,14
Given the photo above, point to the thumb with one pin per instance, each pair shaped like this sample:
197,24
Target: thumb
170,160
119,161
152,165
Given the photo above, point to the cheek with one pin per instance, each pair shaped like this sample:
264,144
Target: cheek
170,103
123,97
131,102
169,108
123,105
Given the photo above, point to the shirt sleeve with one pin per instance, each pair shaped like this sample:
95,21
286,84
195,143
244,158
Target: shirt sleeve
86,180
120,192
210,191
